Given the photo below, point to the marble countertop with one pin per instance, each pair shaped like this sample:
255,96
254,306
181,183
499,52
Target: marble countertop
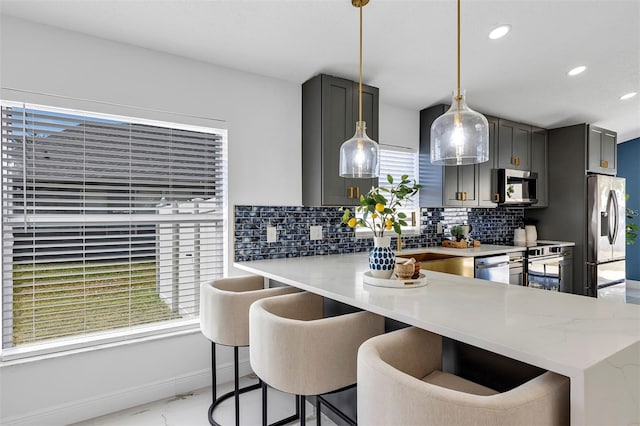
577,336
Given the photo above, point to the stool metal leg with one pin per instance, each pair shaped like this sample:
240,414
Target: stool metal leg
322,401
234,393
236,384
264,404
282,422
213,371
303,414
318,417
237,390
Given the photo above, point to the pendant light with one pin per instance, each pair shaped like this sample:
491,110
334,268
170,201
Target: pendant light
359,156
461,135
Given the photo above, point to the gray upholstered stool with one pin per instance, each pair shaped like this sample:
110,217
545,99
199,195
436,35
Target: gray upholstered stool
400,382
295,350
224,320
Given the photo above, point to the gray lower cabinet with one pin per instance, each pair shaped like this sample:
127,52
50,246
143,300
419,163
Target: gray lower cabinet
329,115
601,151
539,164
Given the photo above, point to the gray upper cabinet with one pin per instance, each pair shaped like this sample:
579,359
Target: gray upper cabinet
460,186
514,145
329,115
486,178
511,146
453,186
539,164
601,153
432,176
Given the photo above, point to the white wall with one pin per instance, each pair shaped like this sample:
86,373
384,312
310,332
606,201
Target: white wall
398,126
263,119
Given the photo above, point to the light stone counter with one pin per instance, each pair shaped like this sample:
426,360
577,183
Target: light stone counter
594,342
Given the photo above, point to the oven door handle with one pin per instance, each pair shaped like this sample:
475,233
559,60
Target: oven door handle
545,260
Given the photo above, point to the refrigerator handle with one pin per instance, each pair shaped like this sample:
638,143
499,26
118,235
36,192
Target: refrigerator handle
607,217
616,211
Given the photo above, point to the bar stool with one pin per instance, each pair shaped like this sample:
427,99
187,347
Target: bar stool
224,320
400,382
295,350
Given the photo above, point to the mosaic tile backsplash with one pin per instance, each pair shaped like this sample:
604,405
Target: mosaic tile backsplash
490,226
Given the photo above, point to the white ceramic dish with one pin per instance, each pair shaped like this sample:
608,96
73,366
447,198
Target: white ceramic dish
395,282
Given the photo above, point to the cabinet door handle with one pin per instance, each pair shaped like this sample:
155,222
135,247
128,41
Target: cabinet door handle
496,197
515,161
464,196
457,195
604,164
354,192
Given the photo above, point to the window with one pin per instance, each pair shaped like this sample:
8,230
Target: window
108,223
397,161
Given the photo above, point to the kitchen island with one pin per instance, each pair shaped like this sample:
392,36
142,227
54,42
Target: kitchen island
593,342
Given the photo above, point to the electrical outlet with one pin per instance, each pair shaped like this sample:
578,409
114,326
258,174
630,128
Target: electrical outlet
315,232
439,228
272,235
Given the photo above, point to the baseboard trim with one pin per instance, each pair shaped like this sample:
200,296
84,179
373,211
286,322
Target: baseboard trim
89,408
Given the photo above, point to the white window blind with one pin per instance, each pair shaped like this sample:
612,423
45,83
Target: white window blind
107,222
398,161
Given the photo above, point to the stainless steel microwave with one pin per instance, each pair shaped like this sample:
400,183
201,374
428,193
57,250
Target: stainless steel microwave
516,187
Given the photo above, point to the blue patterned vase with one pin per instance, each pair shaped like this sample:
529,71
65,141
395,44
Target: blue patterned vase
381,259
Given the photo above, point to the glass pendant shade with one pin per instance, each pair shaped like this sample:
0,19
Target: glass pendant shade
459,136
359,156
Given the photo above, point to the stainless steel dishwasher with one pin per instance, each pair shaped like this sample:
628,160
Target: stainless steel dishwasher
493,268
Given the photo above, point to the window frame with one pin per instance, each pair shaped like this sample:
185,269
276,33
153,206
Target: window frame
90,340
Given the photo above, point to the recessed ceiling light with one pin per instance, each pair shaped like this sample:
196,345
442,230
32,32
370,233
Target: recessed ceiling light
628,96
577,70
499,31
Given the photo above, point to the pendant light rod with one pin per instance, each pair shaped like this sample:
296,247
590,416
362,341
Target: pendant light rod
460,136
458,48
360,4
359,155
360,84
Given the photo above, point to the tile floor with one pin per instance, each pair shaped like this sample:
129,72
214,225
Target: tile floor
191,410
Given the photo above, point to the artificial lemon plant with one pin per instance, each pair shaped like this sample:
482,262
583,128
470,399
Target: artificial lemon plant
380,206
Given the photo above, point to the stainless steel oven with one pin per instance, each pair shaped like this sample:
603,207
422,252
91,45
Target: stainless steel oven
549,267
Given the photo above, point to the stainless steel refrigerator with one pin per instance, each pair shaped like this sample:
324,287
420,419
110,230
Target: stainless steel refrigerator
583,209
606,231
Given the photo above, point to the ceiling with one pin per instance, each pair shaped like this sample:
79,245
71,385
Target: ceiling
409,48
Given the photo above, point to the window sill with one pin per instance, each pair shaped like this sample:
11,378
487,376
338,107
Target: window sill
39,351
